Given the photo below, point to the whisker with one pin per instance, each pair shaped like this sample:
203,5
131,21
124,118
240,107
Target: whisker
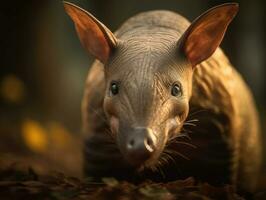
196,112
186,131
164,159
185,143
189,124
160,169
169,157
181,135
187,137
192,120
178,154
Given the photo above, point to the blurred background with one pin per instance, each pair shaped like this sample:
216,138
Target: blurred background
43,69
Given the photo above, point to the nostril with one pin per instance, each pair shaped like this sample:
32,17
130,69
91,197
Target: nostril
149,141
131,144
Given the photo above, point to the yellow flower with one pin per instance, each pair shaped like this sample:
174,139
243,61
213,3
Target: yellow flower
12,89
35,136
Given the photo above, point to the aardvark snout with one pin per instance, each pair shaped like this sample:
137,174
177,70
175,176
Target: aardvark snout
140,145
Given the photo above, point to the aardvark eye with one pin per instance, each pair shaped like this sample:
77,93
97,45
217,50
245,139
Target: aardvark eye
114,89
176,90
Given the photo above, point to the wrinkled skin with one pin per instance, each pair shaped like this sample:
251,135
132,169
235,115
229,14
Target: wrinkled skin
139,129
145,92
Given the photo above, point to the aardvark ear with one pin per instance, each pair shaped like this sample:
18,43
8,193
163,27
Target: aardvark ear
205,34
94,36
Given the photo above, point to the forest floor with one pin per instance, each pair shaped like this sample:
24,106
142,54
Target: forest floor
17,182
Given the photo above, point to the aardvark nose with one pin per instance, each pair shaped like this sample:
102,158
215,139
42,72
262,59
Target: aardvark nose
140,145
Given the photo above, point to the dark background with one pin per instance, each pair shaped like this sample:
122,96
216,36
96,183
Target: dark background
43,66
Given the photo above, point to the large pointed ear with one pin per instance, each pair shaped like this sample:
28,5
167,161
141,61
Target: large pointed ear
94,36
205,34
